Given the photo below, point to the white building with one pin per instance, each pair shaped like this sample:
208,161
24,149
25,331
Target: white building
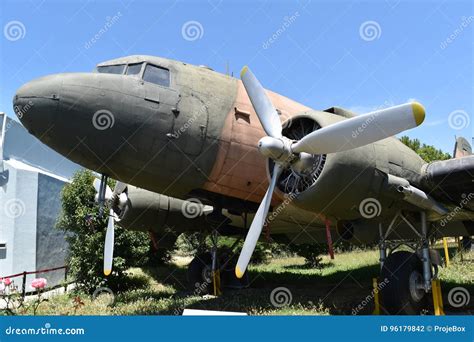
31,178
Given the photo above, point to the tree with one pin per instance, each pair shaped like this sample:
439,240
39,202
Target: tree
427,152
86,236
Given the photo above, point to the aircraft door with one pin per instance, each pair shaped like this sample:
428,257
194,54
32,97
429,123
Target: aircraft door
190,125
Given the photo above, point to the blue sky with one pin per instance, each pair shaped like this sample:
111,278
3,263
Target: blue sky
359,55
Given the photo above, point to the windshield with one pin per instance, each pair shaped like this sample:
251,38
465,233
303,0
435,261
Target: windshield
157,75
134,69
111,69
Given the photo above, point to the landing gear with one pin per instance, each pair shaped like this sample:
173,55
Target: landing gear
211,272
199,274
402,275
406,276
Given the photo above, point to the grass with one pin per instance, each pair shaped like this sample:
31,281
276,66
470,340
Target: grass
336,287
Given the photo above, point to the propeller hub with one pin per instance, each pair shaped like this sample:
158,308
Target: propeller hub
277,149
305,164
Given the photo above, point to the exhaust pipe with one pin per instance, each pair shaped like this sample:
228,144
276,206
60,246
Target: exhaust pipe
421,199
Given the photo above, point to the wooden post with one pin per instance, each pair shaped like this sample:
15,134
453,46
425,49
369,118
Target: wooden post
65,278
329,238
23,286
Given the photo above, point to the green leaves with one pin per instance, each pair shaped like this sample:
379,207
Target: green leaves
86,236
427,152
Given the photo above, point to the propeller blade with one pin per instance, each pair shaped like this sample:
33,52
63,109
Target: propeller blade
256,226
109,244
361,130
266,113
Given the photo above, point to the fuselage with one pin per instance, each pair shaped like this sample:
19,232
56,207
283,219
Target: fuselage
187,131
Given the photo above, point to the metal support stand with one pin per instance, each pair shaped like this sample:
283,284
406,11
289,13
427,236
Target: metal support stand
376,297
437,297
446,251
422,245
425,252
382,247
101,198
215,273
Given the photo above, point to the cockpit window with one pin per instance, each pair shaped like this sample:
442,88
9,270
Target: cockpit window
111,69
134,69
157,75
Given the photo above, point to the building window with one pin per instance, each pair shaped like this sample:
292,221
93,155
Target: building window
157,75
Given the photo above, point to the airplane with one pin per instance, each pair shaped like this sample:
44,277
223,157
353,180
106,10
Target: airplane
198,150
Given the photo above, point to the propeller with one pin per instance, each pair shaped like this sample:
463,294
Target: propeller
340,136
114,199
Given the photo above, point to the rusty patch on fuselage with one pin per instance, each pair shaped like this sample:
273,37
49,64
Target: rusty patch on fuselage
240,171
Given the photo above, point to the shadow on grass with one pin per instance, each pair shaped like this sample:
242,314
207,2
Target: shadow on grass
339,292
308,266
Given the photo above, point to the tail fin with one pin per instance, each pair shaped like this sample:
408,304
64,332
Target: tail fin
462,148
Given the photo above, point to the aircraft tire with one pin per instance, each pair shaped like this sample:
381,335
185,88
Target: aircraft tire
199,274
399,295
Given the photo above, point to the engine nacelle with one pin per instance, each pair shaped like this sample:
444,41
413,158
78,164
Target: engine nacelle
331,183
145,210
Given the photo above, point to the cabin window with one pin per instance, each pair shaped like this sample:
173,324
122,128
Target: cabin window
111,69
134,69
157,75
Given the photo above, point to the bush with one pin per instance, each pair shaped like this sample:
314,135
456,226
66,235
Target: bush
190,244
312,253
86,236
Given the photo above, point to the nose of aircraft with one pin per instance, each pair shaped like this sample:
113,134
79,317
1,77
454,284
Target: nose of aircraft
36,103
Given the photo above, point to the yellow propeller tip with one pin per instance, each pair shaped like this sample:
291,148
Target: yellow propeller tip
418,113
244,71
107,272
238,273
